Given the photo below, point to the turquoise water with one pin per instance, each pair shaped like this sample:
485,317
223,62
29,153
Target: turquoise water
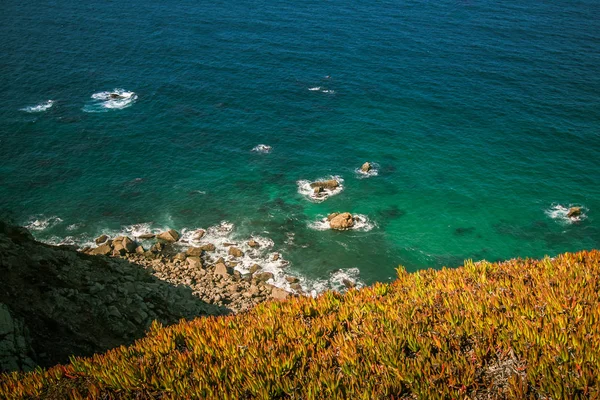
483,119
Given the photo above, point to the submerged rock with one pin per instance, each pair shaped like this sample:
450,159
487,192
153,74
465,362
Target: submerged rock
342,221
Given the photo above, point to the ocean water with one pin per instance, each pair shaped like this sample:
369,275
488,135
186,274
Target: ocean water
482,117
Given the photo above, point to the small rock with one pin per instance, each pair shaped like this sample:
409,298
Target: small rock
574,212
275,257
292,279
140,249
255,268
199,234
103,250
296,286
194,252
101,239
146,236
180,257
194,262
158,247
348,283
222,270
234,251
279,294
170,236
208,247
366,167
263,276
342,221
253,243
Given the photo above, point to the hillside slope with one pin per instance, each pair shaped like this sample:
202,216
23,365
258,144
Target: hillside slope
516,329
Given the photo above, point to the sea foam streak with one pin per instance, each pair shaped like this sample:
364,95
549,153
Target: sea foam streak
361,223
114,100
40,223
307,191
559,212
40,107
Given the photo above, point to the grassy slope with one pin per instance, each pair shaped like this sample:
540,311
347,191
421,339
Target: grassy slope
522,328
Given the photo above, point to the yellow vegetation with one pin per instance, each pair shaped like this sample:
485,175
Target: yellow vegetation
516,329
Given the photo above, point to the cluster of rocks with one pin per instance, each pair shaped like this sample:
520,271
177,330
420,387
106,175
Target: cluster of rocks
211,279
320,187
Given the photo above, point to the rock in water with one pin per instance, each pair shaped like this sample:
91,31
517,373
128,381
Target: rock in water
146,236
348,283
342,221
208,247
199,234
101,239
329,184
170,236
574,212
366,167
234,251
253,243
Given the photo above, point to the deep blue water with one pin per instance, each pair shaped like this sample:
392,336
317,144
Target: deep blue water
482,116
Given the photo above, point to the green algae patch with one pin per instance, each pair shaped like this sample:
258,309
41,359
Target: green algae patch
514,329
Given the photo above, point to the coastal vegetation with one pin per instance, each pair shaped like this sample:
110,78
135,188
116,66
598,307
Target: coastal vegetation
523,328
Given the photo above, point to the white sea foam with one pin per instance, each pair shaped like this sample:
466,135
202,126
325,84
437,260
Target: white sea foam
321,89
113,100
40,107
559,212
40,222
262,148
361,223
315,89
335,281
307,191
374,171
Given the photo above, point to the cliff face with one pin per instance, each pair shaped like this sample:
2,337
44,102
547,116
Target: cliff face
56,302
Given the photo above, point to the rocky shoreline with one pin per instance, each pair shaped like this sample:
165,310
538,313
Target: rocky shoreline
212,279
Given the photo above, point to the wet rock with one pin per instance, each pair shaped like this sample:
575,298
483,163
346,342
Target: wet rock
170,236
255,268
292,279
342,221
208,247
574,212
199,234
103,250
318,190
234,251
366,167
263,276
253,243
101,239
194,262
194,252
348,283
332,216
158,247
275,257
296,286
329,184
146,236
